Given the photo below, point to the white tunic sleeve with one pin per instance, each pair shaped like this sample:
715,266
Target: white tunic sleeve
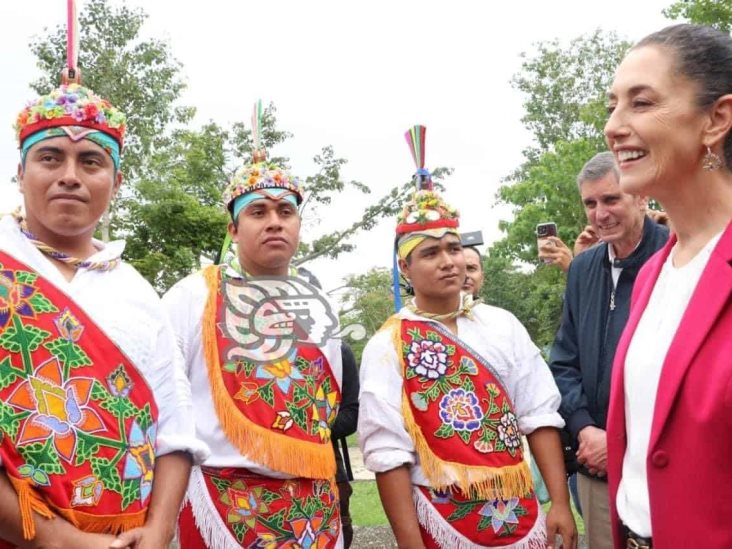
382,436
172,390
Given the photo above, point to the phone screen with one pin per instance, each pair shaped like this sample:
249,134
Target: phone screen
546,229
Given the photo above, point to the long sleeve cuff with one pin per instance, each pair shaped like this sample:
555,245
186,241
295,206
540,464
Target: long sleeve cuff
380,462
578,421
167,444
528,425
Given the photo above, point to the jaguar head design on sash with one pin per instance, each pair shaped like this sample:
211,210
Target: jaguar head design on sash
267,318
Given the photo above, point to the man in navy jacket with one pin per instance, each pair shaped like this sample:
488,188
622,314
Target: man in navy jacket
596,306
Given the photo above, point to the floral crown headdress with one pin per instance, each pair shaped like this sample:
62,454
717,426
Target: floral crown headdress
71,105
260,175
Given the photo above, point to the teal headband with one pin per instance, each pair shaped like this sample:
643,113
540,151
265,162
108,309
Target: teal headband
242,201
105,141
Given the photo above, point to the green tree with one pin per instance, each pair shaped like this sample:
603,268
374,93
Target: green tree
534,297
714,13
565,91
140,77
170,211
368,301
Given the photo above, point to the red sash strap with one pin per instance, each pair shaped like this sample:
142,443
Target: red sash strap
279,413
452,521
77,420
459,416
237,508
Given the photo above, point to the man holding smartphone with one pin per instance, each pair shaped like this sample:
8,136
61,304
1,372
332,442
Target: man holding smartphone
596,306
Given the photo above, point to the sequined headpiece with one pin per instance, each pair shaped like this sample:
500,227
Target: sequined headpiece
260,176
71,110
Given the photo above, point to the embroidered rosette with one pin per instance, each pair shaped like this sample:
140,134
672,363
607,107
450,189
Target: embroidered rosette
460,416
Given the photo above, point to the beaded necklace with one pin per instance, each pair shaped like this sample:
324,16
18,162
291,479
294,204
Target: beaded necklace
466,305
52,252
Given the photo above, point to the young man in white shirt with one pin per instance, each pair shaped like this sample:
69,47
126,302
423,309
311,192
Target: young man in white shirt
95,407
447,389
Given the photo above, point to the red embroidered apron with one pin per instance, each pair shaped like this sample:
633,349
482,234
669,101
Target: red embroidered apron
466,434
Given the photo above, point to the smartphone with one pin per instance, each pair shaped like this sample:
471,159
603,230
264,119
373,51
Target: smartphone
544,230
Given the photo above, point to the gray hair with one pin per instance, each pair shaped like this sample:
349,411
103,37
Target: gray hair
598,167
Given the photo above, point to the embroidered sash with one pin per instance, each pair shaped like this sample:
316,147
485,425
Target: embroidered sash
77,420
452,521
459,416
236,508
277,413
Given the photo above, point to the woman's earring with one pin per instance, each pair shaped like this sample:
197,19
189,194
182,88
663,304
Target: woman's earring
711,161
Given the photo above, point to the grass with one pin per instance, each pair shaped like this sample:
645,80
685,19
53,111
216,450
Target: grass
366,509
352,440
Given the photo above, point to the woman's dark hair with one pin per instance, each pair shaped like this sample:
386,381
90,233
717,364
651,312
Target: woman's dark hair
704,56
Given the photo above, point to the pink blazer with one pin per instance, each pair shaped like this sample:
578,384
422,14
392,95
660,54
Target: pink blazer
690,452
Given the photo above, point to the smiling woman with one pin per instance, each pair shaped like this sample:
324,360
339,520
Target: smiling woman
670,130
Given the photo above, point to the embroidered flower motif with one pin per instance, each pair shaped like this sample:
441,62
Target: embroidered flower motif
492,389
244,504
87,491
428,358
265,540
68,326
324,411
140,460
282,372
283,421
483,447
308,532
14,298
247,393
508,431
119,383
58,408
460,409
501,512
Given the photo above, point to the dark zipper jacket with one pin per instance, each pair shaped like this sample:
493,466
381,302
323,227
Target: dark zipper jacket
593,317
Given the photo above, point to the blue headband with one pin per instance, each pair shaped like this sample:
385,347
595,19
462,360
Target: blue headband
106,142
242,201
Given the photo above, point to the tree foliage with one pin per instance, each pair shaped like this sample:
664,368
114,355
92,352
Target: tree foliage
535,297
565,92
140,77
170,211
713,13
368,302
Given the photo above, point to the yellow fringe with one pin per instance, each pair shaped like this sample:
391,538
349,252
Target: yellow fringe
278,452
30,502
104,524
471,480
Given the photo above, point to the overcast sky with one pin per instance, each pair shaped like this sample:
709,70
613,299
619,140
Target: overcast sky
353,75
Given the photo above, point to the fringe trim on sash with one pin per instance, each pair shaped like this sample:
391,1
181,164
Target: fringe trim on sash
30,502
208,521
279,452
472,480
448,537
